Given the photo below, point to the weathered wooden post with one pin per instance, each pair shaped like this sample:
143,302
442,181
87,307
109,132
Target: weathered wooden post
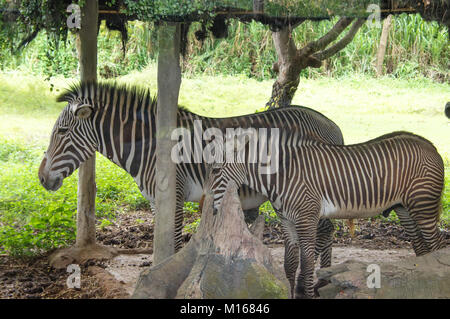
86,173
169,80
258,6
383,44
85,245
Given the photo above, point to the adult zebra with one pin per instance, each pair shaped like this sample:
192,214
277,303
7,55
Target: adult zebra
119,122
318,180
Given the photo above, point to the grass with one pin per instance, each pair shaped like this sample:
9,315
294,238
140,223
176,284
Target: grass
34,220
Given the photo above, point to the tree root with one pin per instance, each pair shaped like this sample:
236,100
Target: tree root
222,260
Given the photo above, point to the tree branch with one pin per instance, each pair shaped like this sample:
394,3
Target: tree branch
325,54
325,40
284,45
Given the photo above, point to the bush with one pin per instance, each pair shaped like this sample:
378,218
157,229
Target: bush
33,220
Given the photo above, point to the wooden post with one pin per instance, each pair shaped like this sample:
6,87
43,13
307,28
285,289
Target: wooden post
169,80
85,247
86,173
258,6
383,44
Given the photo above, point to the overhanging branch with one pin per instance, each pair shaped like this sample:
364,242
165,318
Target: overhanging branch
325,40
341,44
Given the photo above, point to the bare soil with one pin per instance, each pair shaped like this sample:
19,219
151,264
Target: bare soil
376,240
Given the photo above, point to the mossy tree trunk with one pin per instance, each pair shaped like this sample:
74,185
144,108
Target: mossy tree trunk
292,60
222,260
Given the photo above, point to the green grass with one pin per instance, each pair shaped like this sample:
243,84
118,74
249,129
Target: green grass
34,220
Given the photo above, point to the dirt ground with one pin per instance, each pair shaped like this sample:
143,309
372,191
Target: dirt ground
374,241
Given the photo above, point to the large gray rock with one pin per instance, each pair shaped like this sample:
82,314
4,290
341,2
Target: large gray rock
426,276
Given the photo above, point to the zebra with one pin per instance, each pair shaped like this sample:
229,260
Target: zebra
315,180
118,121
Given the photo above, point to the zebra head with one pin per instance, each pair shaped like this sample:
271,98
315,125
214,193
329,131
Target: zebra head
232,169
72,141
220,175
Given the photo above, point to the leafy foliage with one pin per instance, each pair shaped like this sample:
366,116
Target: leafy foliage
415,48
33,220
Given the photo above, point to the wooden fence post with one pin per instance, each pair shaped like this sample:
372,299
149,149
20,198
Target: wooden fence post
86,173
383,44
169,81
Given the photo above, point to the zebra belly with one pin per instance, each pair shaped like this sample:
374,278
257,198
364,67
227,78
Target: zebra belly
249,199
252,201
330,210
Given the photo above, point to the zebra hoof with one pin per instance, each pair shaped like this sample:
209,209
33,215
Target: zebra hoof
321,283
301,294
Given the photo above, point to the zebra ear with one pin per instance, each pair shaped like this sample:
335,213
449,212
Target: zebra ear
82,111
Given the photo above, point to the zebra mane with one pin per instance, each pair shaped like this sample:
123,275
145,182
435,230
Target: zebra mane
96,90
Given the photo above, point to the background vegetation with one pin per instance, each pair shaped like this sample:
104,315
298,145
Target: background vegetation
225,77
416,48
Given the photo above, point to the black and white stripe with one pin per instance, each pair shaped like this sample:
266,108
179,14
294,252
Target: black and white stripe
122,127
319,180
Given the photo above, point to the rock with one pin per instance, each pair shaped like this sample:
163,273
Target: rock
426,276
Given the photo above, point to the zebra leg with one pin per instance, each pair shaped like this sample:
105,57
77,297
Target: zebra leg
291,252
412,231
423,205
324,241
306,226
427,218
179,212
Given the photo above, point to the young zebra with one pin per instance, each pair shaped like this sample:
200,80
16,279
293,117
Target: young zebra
120,122
317,180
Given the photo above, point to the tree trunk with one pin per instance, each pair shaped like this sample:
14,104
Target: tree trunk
222,260
291,61
286,84
383,43
169,80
